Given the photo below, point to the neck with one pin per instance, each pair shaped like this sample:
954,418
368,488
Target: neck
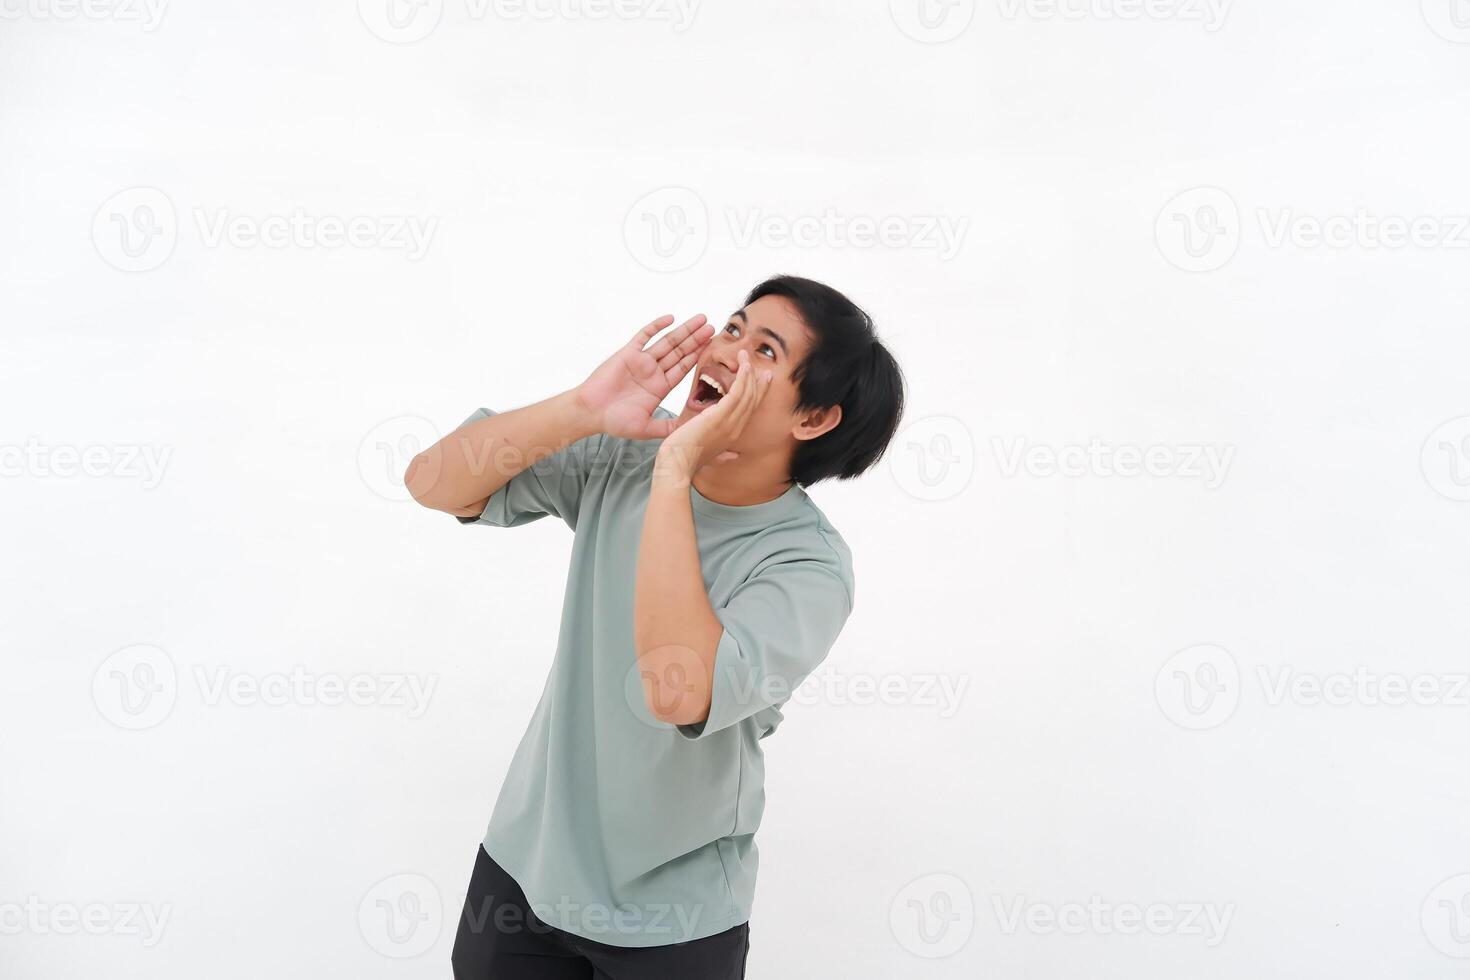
738,484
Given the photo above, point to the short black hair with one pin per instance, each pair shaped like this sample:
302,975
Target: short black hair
847,366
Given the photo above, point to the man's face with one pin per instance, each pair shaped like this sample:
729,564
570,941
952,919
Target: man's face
771,331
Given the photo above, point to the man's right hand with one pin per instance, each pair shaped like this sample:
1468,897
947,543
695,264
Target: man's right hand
620,396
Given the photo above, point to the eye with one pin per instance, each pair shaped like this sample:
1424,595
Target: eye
732,330
768,350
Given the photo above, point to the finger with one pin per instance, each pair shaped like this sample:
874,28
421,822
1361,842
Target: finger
673,338
744,384
658,428
674,374
643,336
726,457
695,342
756,385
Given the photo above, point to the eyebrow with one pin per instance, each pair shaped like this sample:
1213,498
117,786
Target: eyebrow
765,330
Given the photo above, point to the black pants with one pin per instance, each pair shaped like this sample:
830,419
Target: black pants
500,939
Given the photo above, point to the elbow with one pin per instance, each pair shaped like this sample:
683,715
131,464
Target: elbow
418,480
685,710
675,685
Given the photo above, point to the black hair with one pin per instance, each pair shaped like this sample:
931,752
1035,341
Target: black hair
847,366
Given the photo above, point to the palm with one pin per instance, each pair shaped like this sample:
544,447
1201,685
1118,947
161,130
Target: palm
625,389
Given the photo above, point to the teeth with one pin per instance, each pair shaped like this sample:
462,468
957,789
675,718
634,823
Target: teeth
712,383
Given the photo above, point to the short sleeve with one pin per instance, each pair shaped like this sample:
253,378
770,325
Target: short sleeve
552,485
778,628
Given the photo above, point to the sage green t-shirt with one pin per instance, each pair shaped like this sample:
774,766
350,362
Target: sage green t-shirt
620,828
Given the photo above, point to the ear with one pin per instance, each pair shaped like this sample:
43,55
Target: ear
817,422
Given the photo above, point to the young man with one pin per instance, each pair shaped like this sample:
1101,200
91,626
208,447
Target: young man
705,586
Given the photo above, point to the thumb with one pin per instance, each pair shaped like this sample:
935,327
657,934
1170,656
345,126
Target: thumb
725,457
658,428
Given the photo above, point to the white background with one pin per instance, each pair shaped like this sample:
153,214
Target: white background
279,390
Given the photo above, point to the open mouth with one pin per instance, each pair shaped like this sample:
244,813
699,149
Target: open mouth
706,392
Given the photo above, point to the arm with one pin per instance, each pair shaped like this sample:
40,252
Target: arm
675,630
460,472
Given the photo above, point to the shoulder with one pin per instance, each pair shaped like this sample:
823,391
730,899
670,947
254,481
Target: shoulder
809,540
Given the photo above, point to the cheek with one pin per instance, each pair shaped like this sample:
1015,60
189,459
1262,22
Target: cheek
777,408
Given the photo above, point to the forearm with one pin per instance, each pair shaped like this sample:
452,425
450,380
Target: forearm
675,630
459,472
